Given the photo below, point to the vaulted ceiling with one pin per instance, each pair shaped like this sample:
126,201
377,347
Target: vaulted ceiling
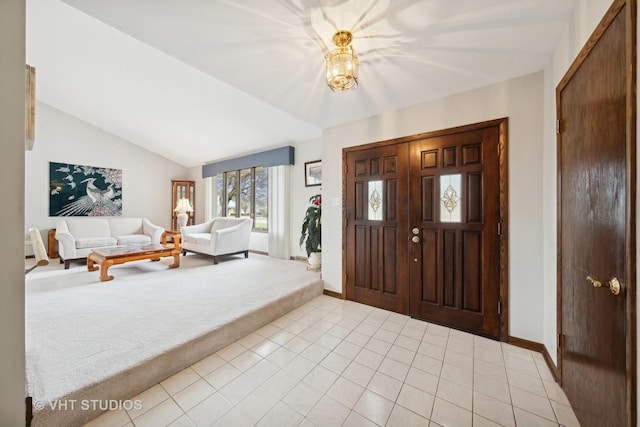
203,80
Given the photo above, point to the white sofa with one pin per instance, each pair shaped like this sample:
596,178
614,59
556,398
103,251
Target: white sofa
77,237
219,236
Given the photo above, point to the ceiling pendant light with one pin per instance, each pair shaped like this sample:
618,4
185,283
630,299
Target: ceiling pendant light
342,64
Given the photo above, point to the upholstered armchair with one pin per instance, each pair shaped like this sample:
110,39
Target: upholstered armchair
219,236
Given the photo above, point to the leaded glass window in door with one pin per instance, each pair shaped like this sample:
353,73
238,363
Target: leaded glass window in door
450,198
375,201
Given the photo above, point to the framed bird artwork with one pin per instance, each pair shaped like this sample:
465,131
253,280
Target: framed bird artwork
77,190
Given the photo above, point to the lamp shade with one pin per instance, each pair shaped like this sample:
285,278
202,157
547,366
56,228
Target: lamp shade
183,206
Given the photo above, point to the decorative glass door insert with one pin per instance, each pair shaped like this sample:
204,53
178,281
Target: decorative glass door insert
450,197
375,200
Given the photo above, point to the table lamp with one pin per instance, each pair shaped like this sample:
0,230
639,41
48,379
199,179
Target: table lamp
182,208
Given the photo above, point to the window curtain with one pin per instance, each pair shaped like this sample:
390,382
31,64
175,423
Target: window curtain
280,212
210,196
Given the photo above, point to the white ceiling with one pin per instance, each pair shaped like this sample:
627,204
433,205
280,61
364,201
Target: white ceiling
202,80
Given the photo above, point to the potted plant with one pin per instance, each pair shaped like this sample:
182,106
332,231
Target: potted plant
311,234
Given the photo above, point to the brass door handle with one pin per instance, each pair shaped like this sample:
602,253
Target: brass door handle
613,284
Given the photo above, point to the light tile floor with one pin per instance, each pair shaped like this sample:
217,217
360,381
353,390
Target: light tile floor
340,363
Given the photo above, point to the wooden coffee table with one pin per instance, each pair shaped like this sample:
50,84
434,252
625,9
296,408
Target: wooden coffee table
105,258
175,235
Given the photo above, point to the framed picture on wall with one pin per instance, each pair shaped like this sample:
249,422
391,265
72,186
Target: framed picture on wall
313,173
78,190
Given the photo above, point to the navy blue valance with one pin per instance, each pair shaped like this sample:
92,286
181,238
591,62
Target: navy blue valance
275,157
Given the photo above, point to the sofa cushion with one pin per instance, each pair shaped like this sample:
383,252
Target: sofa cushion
204,240
125,226
134,239
89,228
95,242
198,238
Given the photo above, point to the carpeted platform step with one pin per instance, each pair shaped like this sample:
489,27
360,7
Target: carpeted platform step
90,341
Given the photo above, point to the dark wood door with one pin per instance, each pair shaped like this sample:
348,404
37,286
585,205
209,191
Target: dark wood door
376,233
596,228
454,210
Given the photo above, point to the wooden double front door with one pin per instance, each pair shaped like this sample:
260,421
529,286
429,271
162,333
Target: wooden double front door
423,223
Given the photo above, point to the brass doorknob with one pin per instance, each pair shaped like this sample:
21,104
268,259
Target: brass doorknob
613,284
594,282
415,239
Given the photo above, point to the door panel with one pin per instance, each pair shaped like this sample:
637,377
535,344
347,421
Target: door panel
430,265
454,201
376,248
595,234
472,271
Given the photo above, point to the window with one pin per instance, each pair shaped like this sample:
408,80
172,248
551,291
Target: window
243,193
450,188
261,206
375,201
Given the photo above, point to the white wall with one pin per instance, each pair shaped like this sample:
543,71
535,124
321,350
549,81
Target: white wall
586,17
146,177
307,151
12,361
520,100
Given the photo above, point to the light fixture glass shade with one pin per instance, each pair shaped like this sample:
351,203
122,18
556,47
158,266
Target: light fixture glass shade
183,206
342,64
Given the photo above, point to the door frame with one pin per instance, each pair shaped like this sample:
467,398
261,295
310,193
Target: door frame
502,124
630,197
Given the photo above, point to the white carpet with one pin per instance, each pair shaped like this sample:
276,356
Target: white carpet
88,339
